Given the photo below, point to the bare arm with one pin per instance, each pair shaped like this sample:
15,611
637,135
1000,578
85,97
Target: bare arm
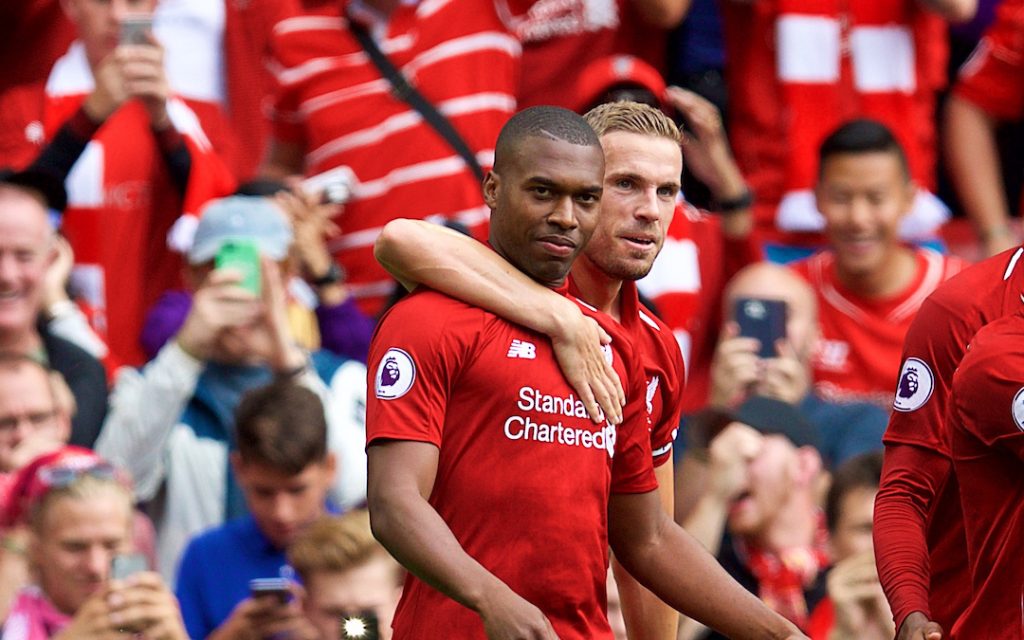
401,476
970,147
417,252
646,616
673,565
952,10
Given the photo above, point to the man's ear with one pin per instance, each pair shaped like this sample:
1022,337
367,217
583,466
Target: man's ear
492,182
330,465
808,465
237,464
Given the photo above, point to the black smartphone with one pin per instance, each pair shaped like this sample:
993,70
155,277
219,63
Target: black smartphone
363,625
277,588
762,319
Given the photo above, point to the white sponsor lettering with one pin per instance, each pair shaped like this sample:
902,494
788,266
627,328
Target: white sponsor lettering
531,399
526,428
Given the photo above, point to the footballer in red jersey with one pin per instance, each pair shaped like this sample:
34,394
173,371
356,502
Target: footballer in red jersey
986,423
473,471
919,527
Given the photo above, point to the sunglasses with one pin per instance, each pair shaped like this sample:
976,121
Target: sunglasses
60,477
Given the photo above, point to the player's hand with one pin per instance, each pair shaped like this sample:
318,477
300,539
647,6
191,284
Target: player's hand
862,612
785,377
734,368
143,75
577,348
219,304
507,616
143,604
917,626
729,454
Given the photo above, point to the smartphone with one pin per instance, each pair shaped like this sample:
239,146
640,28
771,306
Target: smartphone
125,565
363,625
762,319
333,186
271,587
244,257
135,29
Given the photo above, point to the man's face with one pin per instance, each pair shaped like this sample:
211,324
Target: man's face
545,205
863,197
75,543
99,22
854,526
641,182
770,479
372,587
282,504
26,251
27,410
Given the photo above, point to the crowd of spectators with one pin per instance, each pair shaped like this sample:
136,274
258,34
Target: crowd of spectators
160,404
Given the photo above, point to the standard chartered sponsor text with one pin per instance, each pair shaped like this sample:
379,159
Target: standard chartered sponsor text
520,427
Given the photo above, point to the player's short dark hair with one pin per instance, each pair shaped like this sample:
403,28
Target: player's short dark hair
554,123
281,425
863,471
862,136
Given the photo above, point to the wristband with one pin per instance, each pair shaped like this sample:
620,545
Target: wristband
334,275
743,201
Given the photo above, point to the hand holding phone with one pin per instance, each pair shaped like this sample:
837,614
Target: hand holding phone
762,319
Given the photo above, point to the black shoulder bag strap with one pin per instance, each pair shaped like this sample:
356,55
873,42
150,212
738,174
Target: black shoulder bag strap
405,92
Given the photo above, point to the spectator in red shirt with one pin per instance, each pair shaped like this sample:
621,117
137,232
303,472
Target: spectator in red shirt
868,283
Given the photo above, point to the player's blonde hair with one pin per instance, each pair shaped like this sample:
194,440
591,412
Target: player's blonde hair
632,117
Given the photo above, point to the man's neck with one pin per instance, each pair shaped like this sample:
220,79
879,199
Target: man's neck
597,289
27,341
894,275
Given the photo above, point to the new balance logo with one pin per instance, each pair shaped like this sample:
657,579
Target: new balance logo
522,349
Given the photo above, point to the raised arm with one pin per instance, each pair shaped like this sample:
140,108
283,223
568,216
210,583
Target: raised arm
400,478
417,252
671,563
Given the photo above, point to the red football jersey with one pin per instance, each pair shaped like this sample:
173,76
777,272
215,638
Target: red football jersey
986,421
858,356
524,476
664,371
934,346
334,104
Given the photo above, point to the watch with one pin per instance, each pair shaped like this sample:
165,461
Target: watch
333,275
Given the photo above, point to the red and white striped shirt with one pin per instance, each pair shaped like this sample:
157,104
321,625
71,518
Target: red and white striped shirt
334,104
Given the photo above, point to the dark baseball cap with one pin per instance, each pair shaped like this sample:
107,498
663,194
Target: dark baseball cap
47,185
775,417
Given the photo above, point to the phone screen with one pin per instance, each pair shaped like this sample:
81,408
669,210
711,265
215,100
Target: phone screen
762,319
278,588
242,256
134,29
125,565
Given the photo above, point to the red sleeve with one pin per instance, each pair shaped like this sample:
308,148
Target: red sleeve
632,467
988,388
911,478
993,77
917,459
417,351
663,434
